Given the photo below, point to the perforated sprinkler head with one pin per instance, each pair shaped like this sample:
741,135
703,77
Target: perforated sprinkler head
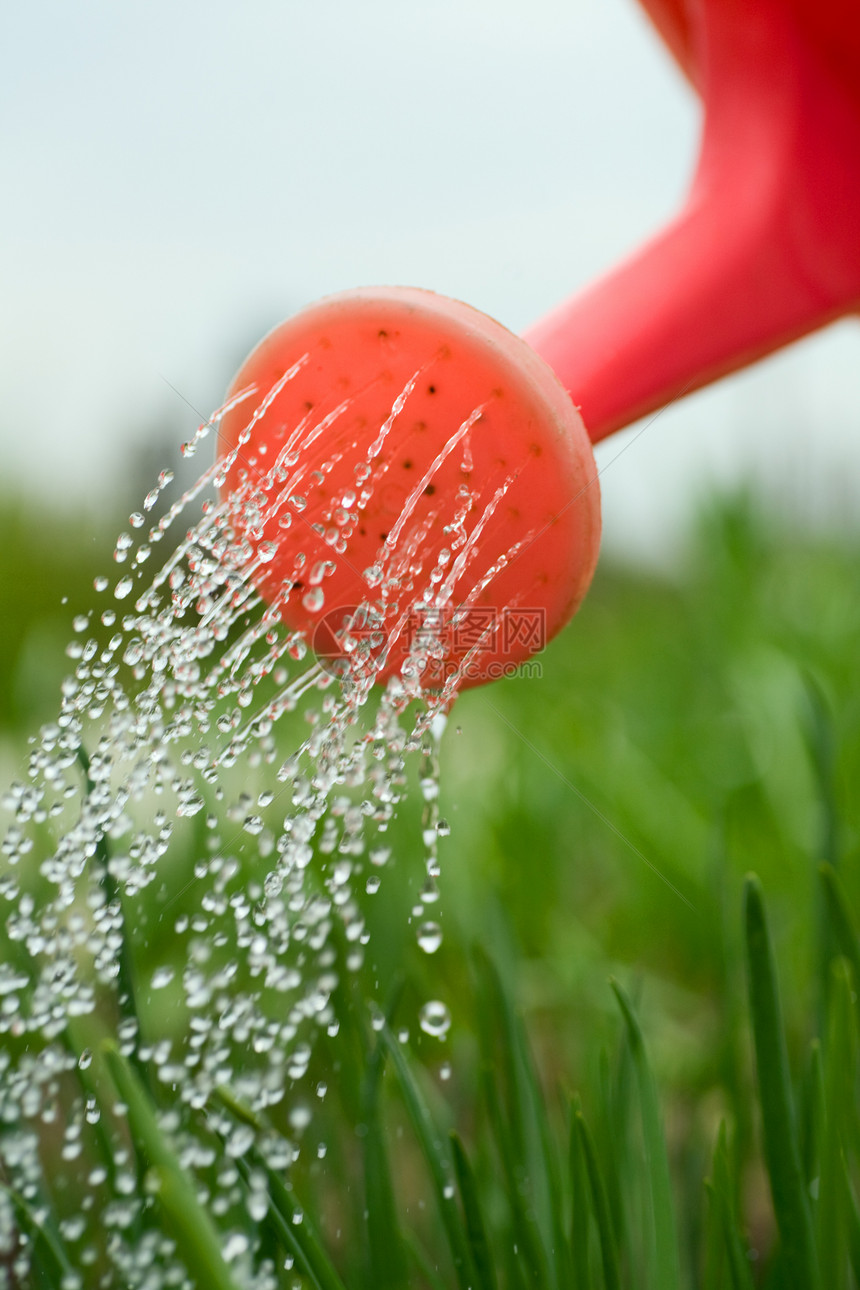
414,489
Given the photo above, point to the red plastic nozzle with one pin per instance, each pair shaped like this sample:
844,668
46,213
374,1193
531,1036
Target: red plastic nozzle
396,450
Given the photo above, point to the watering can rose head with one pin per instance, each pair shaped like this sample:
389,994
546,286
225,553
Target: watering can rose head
410,486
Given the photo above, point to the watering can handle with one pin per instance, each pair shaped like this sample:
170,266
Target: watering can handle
767,246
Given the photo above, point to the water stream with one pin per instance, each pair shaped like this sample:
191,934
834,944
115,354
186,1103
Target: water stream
190,836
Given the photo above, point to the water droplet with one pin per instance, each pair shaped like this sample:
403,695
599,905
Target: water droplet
239,1141
313,600
235,1246
258,1205
434,1019
190,804
429,937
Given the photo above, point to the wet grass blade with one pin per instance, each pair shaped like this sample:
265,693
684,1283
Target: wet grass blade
831,1215
812,1115
612,1133
436,1159
821,743
387,1255
125,987
89,1088
237,1108
385,1244
853,1222
714,1275
546,1188
422,1263
45,1241
189,1223
841,922
294,1228
722,1196
476,1230
559,1252
667,1270
781,1145
608,1249
579,1224
529,1254
510,1103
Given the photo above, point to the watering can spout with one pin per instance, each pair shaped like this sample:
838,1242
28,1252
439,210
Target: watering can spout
767,246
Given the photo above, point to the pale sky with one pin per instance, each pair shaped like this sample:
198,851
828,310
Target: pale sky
179,177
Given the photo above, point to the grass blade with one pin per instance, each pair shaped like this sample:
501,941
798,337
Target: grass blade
293,1226
579,1224
723,1200
853,1222
126,997
294,1229
559,1251
189,1223
476,1231
612,1135
781,1145
667,1270
812,1116
841,922
831,1216
387,1256
423,1264
45,1241
821,742
608,1251
435,1157
511,1107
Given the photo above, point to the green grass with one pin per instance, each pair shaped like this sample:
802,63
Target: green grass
546,1220
693,1124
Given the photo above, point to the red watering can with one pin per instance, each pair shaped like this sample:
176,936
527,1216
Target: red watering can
767,246
413,484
